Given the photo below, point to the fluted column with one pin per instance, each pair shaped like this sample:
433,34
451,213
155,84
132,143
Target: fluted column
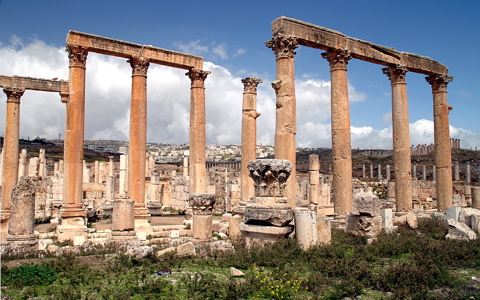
286,122
198,131
249,134
138,134
443,153
402,164
341,138
10,146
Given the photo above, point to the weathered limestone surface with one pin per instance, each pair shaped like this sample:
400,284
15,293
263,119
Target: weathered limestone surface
476,197
123,215
459,231
202,205
270,176
366,203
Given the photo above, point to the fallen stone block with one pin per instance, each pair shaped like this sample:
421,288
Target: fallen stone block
459,231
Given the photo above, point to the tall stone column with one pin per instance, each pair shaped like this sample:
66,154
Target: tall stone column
314,178
402,164
137,145
22,164
286,111
10,152
249,135
467,176
443,157
72,214
341,138
457,171
198,131
388,172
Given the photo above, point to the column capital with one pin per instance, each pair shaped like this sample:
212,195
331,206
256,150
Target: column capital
337,58
77,55
250,84
439,82
13,93
197,77
202,203
139,65
395,73
283,46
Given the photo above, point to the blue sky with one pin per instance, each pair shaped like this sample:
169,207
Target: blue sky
231,36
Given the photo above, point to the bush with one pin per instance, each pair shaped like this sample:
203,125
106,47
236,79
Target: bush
27,275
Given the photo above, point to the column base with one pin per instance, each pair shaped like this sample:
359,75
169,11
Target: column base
142,225
254,234
71,227
202,227
22,240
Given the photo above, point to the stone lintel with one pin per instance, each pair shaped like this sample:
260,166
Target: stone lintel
113,47
35,84
323,38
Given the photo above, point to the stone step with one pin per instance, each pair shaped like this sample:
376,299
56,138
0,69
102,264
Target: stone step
168,227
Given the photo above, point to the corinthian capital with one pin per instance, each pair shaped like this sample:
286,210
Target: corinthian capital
13,93
139,65
270,176
283,46
396,73
250,84
202,204
439,82
197,77
337,58
77,55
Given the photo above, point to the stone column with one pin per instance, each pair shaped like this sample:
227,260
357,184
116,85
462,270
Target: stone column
379,172
249,134
138,137
433,172
198,135
414,172
371,171
443,157
468,179
10,152
341,138
97,172
401,137
424,172
363,171
185,166
388,172
286,122
22,164
314,172
476,197
457,171
122,188
11,144
202,206
73,144
42,164
22,218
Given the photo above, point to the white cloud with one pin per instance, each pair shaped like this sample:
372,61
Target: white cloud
108,93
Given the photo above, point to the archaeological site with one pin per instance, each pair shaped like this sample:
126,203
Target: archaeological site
53,204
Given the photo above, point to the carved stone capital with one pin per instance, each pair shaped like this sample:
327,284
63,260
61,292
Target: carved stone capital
283,46
396,73
13,93
270,176
197,77
201,203
77,55
139,65
439,82
337,58
250,84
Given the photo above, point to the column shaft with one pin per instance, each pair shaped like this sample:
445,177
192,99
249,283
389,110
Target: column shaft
341,138
286,118
249,135
11,146
443,157
138,132
401,138
198,135
74,134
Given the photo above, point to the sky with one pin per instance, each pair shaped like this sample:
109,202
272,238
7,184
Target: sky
231,37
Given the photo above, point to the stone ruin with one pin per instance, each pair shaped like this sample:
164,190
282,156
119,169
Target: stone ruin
268,215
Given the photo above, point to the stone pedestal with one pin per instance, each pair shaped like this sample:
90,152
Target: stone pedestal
202,205
476,197
70,227
306,227
260,233
123,215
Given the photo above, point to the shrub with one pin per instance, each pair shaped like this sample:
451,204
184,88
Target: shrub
26,275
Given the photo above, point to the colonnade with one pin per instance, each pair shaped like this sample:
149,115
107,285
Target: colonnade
288,34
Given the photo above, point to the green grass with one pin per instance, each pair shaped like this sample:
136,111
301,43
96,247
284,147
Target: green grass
407,264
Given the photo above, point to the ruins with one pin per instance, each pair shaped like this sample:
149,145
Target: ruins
261,199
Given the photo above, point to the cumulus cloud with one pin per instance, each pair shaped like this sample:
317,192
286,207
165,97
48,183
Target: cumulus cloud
108,92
